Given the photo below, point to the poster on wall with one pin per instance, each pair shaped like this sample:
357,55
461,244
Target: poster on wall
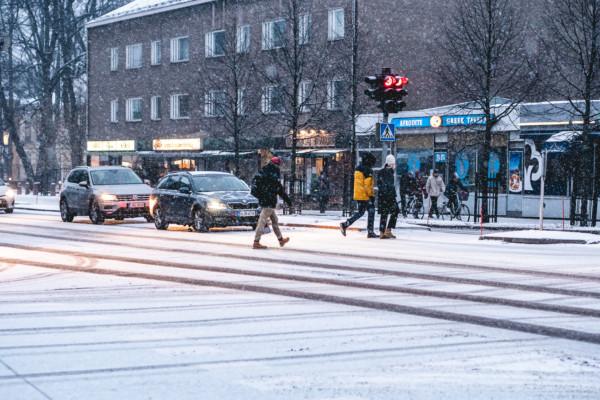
515,166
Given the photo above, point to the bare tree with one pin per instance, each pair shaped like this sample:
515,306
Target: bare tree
297,73
9,103
572,42
228,82
486,58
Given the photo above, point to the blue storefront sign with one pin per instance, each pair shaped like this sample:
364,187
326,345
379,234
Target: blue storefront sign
439,121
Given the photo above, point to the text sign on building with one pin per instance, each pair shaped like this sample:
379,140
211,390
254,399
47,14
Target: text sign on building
111,145
194,144
437,121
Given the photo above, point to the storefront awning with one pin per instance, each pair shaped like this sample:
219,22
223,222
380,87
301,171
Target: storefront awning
193,154
310,153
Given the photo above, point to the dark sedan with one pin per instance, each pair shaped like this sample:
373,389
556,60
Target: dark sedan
203,200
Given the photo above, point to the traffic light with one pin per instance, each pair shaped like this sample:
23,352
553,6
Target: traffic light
387,89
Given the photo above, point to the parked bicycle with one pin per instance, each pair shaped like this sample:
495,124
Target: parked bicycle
460,212
414,207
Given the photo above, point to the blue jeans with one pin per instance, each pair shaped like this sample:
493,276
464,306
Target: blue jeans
363,206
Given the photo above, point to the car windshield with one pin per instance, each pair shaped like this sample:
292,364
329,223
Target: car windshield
219,183
115,177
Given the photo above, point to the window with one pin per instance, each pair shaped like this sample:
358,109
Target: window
114,59
241,102
215,44
273,34
180,49
133,56
335,94
272,100
156,52
214,103
304,29
336,24
133,110
180,106
79,175
304,92
155,108
243,39
114,111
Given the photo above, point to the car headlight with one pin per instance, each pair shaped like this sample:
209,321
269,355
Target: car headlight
108,197
215,205
10,193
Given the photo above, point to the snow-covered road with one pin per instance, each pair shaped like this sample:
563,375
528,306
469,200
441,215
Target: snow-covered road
126,311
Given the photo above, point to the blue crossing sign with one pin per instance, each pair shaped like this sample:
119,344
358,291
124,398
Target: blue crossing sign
387,132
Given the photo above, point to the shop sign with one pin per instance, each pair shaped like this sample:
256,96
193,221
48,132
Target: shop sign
111,145
177,144
311,138
437,121
440,156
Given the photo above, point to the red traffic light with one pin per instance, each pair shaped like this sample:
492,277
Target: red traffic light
389,81
401,81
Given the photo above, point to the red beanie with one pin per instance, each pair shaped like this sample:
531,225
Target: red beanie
276,160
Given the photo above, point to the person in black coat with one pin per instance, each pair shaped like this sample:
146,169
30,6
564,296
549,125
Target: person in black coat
388,202
266,187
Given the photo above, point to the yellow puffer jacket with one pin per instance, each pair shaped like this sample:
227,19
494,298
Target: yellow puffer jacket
363,184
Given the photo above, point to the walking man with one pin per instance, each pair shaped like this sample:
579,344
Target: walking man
388,203
435,187
323,191
266,187
363,195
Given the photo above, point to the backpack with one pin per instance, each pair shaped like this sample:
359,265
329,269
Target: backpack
256,188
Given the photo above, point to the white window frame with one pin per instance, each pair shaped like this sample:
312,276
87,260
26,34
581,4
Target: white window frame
212,108
156,52
267,99
241,101
336,31
175,112
304,22
114,59
133,61
114,110
333,97
210,44
243,39
175,49
304,92
155,108
268,34
129,116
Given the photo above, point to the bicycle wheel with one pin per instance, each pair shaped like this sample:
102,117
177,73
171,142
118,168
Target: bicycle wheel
465,213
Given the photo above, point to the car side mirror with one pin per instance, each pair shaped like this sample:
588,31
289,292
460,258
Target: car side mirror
185,190
84,184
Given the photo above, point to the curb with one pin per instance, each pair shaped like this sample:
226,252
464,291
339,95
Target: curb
500,228
537,241
36,209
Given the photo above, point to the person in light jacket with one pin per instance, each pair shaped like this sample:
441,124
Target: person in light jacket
435,188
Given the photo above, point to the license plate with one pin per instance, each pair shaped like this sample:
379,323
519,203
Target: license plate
137,204
247,213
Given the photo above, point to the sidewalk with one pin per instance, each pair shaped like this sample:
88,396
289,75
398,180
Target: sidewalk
543,237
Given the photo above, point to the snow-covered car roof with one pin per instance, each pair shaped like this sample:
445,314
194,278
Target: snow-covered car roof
141,8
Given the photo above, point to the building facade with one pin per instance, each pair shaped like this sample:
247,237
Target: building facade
151,64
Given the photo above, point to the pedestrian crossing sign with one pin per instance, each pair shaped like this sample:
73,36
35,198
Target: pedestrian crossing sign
387,132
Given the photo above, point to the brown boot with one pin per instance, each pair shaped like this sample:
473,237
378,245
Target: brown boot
389,235
283,241
383,235
258,246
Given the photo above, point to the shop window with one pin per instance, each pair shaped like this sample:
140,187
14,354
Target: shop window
557,177
465,166
415,160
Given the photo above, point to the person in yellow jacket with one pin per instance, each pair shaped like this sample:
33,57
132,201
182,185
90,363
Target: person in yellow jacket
363,195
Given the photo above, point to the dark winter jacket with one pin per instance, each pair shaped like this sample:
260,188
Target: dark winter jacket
387,191
453,187
408,184
268,187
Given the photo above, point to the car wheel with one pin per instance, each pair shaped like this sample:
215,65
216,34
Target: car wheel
254,226
199,222
95,214
9,210
65,215
159,219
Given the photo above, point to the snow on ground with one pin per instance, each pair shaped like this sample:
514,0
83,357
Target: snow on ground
547,236
66,335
